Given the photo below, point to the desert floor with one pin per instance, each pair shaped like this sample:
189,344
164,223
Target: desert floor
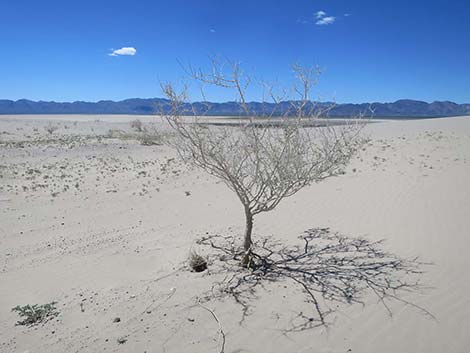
103,225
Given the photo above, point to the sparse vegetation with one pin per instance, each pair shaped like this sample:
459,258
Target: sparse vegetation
35,314
146,137
150,139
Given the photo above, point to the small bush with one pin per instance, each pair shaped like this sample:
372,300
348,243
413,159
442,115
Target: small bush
136,125
122,340
35,314
50,128
197,262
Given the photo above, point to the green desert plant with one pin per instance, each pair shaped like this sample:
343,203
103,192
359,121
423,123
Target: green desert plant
35,314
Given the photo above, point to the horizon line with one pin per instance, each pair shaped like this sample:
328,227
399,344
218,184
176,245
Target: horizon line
222,102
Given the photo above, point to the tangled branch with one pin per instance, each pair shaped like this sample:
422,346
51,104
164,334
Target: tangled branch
221,330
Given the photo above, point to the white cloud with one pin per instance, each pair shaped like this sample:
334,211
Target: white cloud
212,30
124,51
347,14
320,14
326,21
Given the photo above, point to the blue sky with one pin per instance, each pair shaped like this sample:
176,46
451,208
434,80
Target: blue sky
369,50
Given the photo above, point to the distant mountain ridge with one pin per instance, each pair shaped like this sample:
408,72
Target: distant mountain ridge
141,106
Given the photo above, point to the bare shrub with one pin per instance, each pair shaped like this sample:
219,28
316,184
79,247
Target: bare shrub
51,128
136,125
263,159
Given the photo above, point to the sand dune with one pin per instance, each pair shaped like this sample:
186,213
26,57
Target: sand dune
104,225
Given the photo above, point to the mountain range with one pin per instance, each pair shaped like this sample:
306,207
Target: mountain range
404,108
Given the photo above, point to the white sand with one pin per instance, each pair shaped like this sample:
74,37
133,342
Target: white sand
94,225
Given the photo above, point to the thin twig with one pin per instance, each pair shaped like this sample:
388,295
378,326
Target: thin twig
221,330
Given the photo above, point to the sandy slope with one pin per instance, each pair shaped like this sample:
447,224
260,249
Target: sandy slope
104,226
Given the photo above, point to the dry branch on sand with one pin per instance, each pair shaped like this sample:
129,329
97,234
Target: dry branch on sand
220,331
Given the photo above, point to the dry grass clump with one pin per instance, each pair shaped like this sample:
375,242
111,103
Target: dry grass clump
197,262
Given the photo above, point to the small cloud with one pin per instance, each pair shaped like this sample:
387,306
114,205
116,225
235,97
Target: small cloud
326,21
129,51
212,30
320,14
347,14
